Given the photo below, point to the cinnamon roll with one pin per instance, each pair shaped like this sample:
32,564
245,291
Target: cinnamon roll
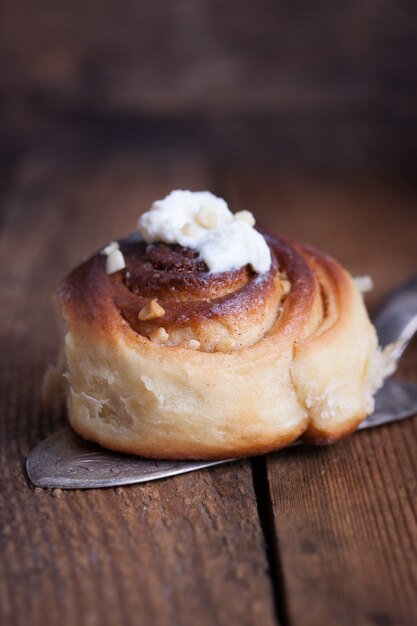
169,359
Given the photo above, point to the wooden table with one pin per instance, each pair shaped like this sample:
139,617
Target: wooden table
303,537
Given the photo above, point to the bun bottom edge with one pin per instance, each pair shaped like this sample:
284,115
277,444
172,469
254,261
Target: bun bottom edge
183,451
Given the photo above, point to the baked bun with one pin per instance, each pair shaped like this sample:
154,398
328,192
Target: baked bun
167,360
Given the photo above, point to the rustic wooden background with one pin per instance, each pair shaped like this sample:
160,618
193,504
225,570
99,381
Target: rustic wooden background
304,115
328,82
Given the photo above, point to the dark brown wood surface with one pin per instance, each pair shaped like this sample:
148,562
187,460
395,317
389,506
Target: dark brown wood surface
304,537
325,82
327,59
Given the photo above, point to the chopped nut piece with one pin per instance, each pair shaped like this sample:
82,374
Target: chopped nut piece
151,311
364,283
206,217
189,229
245,216
225,345
115,262
159,336
285,287
192,344
111,247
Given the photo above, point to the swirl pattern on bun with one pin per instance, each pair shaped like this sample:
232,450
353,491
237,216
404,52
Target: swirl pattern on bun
167,360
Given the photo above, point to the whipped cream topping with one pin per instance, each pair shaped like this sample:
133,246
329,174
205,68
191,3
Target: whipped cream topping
203,222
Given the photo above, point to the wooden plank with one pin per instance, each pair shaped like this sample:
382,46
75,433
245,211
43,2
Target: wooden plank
344,517
210,56
181,551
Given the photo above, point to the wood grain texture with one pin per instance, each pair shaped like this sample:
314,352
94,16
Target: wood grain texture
344,517
181,551
327,59
346,524
285,81
340,521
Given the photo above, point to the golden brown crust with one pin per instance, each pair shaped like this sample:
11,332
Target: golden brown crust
263,368
232,309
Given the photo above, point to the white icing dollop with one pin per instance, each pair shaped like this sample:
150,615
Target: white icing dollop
203,222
